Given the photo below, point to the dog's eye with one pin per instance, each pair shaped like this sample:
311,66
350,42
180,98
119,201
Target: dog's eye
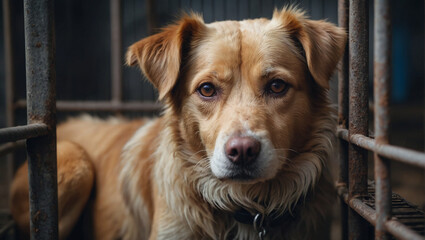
207,90
277,86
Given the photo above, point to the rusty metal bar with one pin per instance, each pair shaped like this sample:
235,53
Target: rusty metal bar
400,231
362,209
11,147
343,89
382,79
101,106
12,134
397,229
395,153
358,110
343,11
116,51
41,100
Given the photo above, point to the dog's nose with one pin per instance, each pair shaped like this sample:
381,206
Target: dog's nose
242,150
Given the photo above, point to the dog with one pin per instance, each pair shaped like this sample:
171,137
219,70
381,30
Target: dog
241,150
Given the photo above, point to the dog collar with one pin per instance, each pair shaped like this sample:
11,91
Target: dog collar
261,222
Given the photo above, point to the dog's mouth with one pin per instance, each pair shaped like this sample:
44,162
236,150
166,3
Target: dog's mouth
241,175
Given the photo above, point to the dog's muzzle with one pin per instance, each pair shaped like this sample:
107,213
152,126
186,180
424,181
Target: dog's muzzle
244,157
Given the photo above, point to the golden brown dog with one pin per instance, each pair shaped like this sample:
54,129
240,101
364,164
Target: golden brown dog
241,150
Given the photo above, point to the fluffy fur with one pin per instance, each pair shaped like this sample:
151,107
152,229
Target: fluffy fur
169,178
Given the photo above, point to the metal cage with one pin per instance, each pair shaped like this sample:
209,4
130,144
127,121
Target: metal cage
362,202
370,203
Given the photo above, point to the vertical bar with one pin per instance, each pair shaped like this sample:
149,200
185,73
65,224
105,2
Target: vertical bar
343,114
358,111
9,80
382,78
41,100
9,73
150,13
116,51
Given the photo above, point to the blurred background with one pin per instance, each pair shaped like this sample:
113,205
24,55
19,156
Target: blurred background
84,56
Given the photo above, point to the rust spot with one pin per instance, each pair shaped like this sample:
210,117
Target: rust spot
38,45
32,117
36,216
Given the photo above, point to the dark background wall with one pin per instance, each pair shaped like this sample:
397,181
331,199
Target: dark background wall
83,50
83,42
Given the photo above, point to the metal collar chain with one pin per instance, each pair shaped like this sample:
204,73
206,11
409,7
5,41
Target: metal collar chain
263,223
259,226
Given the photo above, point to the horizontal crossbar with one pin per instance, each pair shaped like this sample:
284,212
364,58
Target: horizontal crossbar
13,134
105,106
391,152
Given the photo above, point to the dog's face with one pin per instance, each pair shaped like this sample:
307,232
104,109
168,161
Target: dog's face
245,92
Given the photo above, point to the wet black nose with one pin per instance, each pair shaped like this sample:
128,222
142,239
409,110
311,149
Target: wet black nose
242,150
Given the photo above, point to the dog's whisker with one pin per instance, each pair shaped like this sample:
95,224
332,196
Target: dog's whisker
202,163
285,149
193,157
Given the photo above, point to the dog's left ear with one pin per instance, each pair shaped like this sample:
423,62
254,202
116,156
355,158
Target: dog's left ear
160,55
323,42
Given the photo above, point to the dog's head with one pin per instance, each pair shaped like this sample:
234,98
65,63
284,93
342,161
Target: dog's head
245,93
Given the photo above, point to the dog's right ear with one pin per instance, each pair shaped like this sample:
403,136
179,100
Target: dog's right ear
323,42
160,55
